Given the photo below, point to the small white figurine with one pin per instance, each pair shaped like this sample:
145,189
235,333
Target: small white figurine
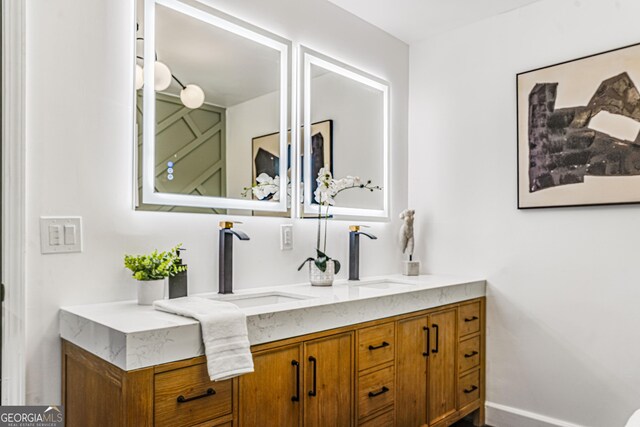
407,242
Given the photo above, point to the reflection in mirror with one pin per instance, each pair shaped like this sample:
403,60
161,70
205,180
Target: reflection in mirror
218,84
356,141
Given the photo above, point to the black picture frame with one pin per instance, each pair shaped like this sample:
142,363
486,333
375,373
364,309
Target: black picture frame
558,149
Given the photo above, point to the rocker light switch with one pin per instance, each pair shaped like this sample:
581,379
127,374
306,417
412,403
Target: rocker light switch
69,234
60,235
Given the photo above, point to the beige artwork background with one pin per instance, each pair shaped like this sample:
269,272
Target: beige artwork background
577,82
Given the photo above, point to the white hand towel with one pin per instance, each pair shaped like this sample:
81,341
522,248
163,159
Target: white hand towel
224,333
634,421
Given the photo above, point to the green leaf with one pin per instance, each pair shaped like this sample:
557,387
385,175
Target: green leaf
305,261
321,254
336,266
321,263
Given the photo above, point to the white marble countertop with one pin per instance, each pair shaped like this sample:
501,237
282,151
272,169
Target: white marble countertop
132,336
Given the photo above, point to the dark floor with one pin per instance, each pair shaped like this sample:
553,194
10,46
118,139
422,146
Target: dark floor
465,423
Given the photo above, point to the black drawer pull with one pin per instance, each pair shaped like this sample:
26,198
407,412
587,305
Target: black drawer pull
378,393
470,319
313,392
384,344
437,328
468,355
426,353
296,398
470,390
182,399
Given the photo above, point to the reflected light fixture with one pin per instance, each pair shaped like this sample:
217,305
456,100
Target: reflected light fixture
162,76
191,95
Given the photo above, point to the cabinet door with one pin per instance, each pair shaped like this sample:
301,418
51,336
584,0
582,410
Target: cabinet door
272,394
411,374
328,380
442,365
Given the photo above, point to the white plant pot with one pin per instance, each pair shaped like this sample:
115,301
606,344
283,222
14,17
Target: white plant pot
321,278
150,291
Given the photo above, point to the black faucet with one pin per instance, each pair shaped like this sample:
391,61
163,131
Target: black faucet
225,255
354,250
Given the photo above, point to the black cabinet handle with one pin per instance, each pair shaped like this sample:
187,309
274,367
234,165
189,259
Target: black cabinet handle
468,355
384,344
426,353
315,368
296,398
209,392
383,390
470,390
437,328
470,319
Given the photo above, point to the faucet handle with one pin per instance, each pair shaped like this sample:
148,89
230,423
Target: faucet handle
357,228
228,224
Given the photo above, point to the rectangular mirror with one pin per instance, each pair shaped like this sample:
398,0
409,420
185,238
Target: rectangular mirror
346,131
213,111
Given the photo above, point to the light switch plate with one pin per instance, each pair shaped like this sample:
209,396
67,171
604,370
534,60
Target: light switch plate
286,237
60,235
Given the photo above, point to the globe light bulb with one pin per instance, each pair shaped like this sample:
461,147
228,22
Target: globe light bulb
192,96
139,77
162,78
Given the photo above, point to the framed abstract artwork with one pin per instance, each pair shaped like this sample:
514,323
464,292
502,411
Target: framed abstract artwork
579,131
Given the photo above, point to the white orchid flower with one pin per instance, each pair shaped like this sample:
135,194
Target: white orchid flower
266,186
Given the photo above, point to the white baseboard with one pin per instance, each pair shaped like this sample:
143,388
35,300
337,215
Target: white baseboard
505,416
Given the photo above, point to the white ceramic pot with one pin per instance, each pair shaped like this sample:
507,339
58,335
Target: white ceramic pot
150,291
321,278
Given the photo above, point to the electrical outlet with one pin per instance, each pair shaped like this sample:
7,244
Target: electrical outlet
286,237
59,235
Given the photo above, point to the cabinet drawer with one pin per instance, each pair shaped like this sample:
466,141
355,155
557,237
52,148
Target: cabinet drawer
186,396
375,391
469,318
384,420
469,388
469,354
376,345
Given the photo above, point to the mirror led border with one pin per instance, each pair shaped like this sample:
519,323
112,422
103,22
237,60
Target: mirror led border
344,70
149,195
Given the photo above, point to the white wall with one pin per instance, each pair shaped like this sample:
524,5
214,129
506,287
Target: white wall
245,121
358,129
564,287
79,157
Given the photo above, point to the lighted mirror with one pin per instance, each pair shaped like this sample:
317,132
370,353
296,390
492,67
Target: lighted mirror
346,131
212,111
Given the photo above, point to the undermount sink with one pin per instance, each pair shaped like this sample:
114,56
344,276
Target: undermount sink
256,300
381,285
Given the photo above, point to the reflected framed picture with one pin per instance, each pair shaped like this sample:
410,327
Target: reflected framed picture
266,158
579,131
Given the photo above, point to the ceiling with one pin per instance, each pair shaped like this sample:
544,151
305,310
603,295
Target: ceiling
229,68
414,20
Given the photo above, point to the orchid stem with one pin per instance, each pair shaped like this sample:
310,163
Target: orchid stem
319,225
326,224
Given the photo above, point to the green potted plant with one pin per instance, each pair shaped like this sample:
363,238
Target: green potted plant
151,272
323,268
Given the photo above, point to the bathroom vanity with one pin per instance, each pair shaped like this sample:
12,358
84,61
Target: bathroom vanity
392,351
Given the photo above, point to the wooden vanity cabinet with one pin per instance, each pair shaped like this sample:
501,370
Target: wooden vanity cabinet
271,395
426,368
417,369
308,384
